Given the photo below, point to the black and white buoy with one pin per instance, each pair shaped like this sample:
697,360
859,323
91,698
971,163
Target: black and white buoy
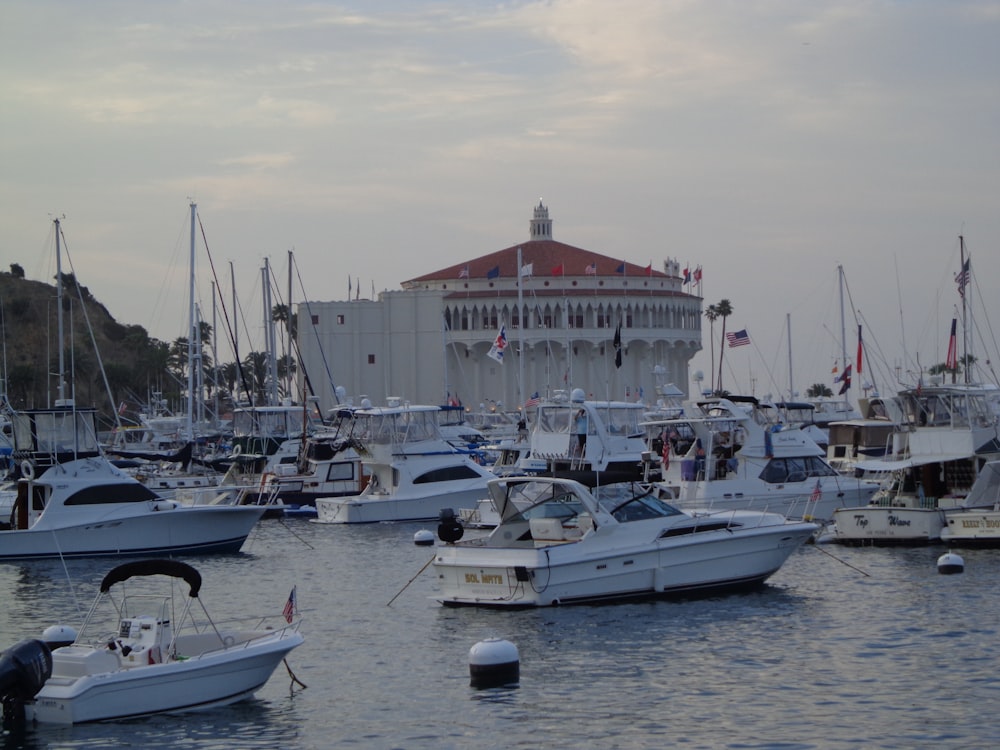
56,636
950,563
423,538
494,663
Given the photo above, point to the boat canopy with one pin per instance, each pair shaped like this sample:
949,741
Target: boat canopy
173,568
878,465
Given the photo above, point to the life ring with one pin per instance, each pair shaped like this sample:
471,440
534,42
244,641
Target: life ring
27,469
237,450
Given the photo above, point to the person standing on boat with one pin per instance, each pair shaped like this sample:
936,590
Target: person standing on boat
581,430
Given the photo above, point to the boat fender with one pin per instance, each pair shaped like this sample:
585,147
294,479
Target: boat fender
27,470
228,641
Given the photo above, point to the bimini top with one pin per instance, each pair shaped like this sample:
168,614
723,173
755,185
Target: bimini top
172,568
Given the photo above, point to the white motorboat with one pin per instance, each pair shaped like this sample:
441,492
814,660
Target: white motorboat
150,663
977,522
72,502
947,433
728,454
412,472
559,542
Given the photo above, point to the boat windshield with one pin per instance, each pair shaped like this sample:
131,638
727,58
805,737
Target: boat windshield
527,500
633,502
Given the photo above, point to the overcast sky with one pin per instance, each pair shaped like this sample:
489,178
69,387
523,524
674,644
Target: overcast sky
767,141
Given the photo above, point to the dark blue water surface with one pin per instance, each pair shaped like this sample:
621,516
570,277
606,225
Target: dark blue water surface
885,654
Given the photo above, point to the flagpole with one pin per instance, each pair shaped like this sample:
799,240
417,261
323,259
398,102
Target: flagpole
520,331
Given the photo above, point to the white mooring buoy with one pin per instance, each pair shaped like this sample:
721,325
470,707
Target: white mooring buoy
494,663
423,538
950,563
57,636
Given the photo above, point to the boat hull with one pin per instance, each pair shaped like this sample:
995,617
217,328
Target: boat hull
972,528
885,526
199,682
560,574
376,508
124,531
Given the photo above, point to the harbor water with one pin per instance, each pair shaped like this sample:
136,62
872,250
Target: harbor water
843,648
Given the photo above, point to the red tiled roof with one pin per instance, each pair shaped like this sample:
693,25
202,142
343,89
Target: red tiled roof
546,257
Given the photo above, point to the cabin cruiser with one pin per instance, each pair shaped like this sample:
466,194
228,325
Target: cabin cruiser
560,541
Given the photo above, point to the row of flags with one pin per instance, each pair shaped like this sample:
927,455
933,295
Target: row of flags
499,345
528,269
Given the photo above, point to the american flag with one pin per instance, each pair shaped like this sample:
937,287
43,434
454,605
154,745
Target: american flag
533,401
464,273
289,610
817,493
591,270
738,338
962,277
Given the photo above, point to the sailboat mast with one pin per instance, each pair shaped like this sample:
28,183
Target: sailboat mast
61,387
965,287
843,328
791,384
192,322
520,331
288,333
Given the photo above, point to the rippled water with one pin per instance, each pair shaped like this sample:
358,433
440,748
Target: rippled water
886,654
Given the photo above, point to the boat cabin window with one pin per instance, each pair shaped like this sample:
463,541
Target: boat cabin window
554,419
782,470
341,470
113,493
633,502
447,474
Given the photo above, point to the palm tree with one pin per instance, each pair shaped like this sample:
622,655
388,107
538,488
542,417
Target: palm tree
818,390
712,313
724,309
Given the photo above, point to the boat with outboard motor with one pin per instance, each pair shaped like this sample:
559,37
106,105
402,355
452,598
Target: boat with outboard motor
560,541
151,663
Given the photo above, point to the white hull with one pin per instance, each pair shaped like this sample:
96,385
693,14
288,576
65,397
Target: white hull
787,500
559,575
129,530
200,681
887,525
375,507
972,528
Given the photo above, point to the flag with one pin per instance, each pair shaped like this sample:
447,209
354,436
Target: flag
557,270
591,270
697,275
962,277
817,494
499,345
857,362
738,338
952,362
618,345
289,610
349,288
533,401
464,273
649,269
687,276
493,273
527,269
845,378
621,268
835,369
121,408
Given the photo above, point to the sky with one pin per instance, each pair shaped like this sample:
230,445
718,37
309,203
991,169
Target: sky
771,142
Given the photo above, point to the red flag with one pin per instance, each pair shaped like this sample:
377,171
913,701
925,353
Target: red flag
289,610
952,362
649,269
557,270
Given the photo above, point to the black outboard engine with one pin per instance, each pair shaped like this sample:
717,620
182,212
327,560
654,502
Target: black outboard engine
449,528
24,668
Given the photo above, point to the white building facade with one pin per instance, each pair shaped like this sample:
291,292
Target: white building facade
559,305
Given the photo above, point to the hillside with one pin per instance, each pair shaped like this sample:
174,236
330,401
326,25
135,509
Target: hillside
133,362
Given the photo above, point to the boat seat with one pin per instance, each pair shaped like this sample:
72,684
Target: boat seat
552,529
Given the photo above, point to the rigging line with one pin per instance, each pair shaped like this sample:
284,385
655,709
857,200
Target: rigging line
225,310
843,562
415,576
93,338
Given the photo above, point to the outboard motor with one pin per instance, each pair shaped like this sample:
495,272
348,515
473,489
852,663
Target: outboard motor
449,528
24,668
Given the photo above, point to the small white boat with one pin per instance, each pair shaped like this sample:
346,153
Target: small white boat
559,542
977,525
412,473
150,664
